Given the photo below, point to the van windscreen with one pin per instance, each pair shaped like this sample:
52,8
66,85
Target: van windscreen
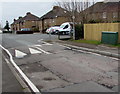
62,26
65,27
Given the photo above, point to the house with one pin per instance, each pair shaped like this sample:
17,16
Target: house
55,17
28,21
102,12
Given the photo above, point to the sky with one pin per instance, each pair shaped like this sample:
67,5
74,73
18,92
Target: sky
12,9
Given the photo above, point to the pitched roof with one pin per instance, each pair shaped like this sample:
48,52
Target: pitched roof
104,7
112,7
28,17
55,12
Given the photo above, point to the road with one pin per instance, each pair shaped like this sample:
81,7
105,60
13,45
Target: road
9,82
54,68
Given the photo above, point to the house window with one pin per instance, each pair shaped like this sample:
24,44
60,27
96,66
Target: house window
104,15
115,15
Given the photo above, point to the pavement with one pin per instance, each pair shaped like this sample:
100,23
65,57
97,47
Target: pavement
100,49
9,82
88,86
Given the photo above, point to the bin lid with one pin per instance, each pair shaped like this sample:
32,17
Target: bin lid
109,32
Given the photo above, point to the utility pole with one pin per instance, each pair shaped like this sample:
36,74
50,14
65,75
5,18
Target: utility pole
73,17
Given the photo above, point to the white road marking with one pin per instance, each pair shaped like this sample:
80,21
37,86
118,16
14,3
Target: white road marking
37,45
42,50
31,85
33,51
64,46
7,61
45,43
114,58
19,54
94,53
39,40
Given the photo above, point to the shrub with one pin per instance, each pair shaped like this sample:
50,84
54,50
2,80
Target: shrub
116,21
95,21
35,29
7,31
79,31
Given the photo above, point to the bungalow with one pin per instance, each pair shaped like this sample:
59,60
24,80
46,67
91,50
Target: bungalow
29,21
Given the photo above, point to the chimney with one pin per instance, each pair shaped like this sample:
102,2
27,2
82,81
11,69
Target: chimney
28,13
14,20
55,7
20,17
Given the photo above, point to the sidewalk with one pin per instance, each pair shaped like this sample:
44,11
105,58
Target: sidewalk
85,87
9,82
100,49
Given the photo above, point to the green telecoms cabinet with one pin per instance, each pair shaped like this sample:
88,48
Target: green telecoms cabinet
109,38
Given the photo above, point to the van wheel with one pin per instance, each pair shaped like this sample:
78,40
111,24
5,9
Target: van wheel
64,33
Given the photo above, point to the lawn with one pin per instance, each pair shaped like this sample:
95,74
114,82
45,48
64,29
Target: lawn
87,41
94,42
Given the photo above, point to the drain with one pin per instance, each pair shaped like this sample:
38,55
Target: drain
48,79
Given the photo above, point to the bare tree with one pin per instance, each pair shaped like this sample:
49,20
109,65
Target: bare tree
75,9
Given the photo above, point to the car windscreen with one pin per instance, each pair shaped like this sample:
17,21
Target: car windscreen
25,29
62,26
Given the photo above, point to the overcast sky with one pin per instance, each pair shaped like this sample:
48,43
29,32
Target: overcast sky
10,9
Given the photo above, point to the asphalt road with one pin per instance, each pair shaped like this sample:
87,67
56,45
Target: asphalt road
51,66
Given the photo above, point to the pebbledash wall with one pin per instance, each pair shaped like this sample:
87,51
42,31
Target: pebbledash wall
94,31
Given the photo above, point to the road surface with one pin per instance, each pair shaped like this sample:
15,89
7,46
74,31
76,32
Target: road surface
54,67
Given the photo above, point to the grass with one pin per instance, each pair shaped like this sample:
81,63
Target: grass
117,45
87,41
94,42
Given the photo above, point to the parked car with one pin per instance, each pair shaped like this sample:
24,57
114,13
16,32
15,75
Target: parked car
25,31
0,31
52,30
65,28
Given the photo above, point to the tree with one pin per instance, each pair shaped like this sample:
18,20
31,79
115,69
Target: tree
7,26
76,8
77,12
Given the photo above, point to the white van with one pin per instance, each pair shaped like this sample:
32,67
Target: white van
65,28
52,30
